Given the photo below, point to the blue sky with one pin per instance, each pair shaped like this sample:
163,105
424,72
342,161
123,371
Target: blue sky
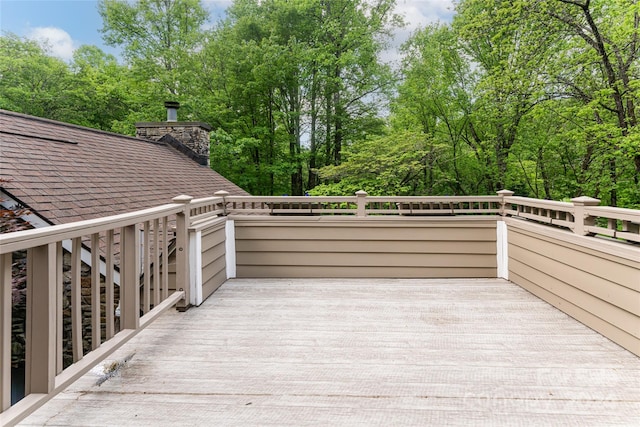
68,24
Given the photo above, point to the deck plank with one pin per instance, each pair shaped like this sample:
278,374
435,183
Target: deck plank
360,352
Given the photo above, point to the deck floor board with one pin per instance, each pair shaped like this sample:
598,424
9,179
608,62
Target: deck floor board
360,352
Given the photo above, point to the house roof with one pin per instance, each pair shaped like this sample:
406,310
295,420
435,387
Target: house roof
67,173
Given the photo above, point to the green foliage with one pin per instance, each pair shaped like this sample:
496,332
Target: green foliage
91,91
396,164
160,40
33,82
287,82
536,96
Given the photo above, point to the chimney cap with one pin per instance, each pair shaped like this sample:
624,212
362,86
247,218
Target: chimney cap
172,104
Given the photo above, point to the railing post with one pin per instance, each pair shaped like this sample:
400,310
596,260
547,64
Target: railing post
5,331
361,199
41,319
503,194
130,277
182,252
223,194
580,219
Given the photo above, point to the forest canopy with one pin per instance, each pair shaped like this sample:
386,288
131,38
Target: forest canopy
537,96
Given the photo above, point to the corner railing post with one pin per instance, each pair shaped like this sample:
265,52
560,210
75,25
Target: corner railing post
503,194
361,200
223,194
130,277
581,220
182,252
41,319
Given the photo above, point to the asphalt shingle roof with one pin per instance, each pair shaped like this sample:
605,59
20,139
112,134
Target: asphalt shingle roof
66,173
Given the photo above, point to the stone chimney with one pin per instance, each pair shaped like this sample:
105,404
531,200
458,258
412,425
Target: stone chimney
190,138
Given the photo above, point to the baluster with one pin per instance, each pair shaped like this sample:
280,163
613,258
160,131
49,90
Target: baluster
59,307
156,262
76,299
109,300
95,292
165,259
130,277
5,330
41,325
146,294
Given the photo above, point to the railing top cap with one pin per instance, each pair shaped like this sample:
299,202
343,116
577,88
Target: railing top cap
182,199
584,200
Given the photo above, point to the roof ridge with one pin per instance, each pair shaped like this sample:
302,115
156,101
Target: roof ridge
71,126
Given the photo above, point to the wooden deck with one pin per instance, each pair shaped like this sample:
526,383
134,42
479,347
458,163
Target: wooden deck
360,352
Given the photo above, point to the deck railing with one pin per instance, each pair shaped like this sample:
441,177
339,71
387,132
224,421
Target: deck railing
361,205
582,215
135,251
129,288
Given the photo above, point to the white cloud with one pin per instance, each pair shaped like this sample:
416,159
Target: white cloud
57,41
417,14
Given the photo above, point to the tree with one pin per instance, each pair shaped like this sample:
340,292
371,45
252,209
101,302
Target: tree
301,80
91,91
35,83
599,70
104,88
509,52
434,98
394,164
349,77
159,40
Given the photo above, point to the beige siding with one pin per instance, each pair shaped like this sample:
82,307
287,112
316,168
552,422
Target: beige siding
366,247
213,258
598,284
